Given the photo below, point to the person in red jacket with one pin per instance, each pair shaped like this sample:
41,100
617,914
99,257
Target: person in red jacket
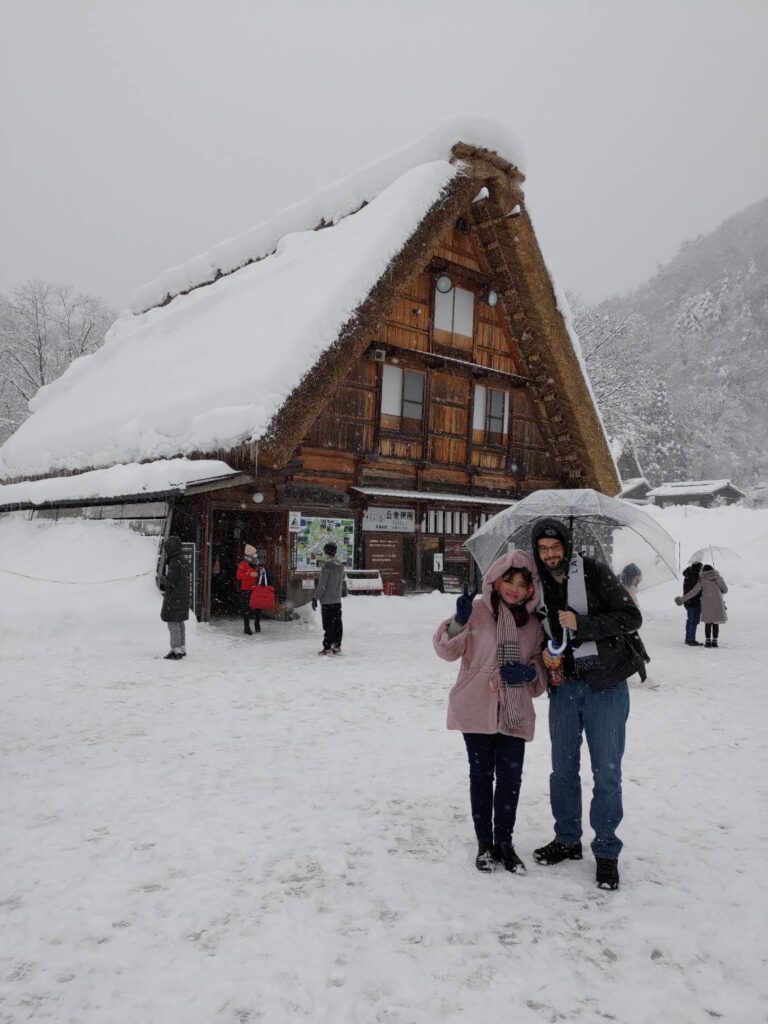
248,576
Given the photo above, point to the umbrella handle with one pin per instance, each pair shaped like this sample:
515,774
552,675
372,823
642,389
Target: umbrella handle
554,649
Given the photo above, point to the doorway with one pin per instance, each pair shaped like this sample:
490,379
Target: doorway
231,530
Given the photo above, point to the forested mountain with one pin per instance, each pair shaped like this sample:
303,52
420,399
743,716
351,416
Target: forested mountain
691,348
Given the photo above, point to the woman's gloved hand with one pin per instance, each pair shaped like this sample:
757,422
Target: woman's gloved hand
464,604
515,673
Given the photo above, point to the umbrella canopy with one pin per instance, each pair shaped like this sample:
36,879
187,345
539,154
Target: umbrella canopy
614,531
712,554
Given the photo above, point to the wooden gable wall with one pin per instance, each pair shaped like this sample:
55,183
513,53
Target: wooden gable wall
351,443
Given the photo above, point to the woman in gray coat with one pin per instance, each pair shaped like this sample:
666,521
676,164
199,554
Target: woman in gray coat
711,586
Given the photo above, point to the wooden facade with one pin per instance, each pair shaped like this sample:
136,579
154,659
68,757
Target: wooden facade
468,426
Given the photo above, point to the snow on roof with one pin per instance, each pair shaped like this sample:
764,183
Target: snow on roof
683,487
210,369
630,485
330,205
116,482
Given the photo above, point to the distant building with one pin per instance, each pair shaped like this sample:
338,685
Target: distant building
634,486
704,493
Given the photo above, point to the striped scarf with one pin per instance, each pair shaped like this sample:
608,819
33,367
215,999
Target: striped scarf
512,699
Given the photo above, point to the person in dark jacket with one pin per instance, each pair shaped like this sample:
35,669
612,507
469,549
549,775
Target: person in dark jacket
331,587
583,596
174,584
693,604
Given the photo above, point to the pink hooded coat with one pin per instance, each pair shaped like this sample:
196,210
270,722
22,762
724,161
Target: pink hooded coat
473,703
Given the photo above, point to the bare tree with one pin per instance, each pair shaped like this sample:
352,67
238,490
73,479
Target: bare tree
43,328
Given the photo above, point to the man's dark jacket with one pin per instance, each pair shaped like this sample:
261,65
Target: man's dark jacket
690,579
175,584
612,615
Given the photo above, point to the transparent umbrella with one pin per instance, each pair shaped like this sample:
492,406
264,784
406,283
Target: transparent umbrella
712,554
616,532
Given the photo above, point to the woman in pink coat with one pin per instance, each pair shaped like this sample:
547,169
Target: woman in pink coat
711,586
498,639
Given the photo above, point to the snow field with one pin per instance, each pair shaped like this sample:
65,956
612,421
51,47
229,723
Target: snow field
259,834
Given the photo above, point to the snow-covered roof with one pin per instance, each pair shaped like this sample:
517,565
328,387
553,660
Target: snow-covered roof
161,477
386,492
688,487
210,369
627,486
330,205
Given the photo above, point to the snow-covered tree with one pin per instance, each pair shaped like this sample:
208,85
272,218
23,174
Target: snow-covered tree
43,328
630,395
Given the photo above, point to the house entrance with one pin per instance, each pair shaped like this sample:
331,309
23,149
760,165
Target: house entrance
231,530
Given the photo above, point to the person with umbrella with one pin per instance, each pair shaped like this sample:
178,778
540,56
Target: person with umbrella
586,612
710,587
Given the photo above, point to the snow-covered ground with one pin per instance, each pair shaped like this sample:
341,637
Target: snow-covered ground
259,834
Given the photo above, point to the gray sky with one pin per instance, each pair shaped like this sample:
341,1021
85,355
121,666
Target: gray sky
136,133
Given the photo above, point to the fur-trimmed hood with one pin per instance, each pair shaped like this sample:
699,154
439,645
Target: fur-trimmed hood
512,559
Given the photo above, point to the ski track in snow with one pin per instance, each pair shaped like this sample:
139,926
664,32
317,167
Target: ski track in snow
259,834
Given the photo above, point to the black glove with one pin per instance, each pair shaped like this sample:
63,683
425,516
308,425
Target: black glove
464,605
515,673
314,604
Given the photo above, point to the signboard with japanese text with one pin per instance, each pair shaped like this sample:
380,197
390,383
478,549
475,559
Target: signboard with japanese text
386,555
455,551
389,520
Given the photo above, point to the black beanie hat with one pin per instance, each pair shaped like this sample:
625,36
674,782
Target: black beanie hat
330,548
549,527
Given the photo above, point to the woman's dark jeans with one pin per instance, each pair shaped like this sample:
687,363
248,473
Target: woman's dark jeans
494,810
691,622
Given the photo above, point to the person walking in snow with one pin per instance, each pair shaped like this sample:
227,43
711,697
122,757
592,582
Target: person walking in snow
174,583
582,596
711,586
247,575
693,604
331,587
498,639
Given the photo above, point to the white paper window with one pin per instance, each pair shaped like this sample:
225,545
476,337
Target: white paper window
444,310
478,419
391,390
455,311
464,312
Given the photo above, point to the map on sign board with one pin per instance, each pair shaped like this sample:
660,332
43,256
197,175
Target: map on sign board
314,533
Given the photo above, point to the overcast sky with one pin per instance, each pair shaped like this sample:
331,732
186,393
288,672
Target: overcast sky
137,133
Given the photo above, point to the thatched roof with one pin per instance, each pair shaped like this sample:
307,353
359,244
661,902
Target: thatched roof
267,370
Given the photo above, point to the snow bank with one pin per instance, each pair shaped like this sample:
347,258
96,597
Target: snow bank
117,481
743,530
54,591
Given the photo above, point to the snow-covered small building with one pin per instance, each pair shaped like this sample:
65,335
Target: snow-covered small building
634,486
388,363
704,493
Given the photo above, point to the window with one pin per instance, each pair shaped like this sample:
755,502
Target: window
491,417
402,399
455,317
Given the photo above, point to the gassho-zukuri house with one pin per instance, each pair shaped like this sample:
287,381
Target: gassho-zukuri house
387,364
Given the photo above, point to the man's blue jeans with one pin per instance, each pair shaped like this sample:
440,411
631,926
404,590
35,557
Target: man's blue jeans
601,715
694,617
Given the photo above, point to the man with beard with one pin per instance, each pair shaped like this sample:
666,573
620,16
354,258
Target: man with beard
585,603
